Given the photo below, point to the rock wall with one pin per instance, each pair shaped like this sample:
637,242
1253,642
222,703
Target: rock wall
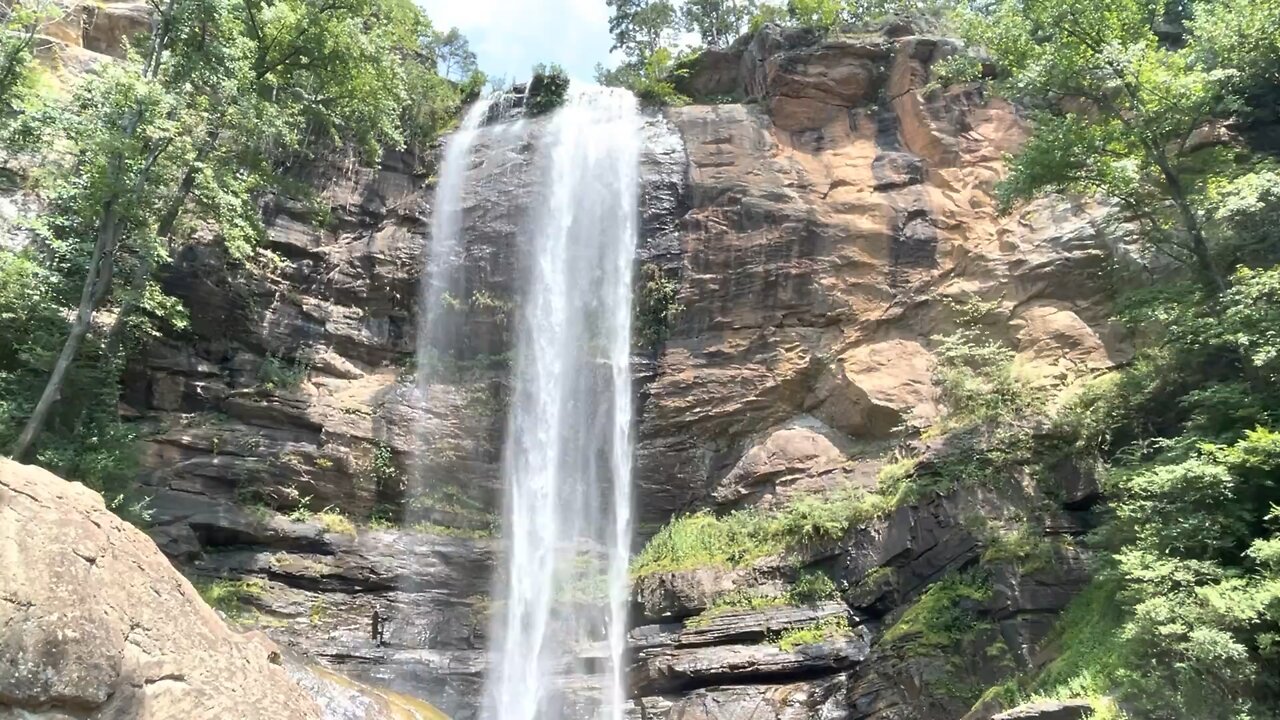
821,230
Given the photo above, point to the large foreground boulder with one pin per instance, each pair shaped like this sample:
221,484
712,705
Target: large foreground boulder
95,624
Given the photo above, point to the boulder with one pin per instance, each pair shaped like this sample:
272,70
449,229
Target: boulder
96,624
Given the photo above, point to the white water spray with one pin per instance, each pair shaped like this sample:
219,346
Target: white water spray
567,462
445,247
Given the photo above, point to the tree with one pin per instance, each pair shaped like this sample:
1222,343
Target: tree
717,22
226,95
20,26
641,27
453,52
1115,112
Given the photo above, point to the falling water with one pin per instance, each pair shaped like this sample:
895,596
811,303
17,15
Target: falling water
445,246
567,463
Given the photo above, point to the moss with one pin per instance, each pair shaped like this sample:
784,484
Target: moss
820,631
739,600
809,587
1089,636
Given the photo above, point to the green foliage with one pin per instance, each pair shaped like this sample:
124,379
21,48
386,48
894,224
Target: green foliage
830,628
717,22
1241,40
1116,108
810,587
767,14
384,472
1024,547
329,518
652,79
230,597
831,14
458,532
186,134
641,27
741,537
1184,615
980,382
656,308
20,26
276,373
86,441
945,615
548,89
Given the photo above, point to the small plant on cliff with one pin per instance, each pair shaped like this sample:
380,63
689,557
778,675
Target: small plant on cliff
823,630
275,373
230,597
656,307
943,616
977,373
739,538
548,89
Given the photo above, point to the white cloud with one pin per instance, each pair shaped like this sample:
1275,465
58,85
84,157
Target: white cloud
511,36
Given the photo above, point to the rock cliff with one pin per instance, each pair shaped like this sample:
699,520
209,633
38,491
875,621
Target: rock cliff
821,229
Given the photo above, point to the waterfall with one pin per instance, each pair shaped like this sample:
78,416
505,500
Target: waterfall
567,460
445,247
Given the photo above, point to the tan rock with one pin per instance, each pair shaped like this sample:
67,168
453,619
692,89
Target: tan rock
96,624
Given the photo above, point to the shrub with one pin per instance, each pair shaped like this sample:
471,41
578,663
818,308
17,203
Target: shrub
738,538
814,633
945,614
333,521
657,306
275,373
230,597
548,89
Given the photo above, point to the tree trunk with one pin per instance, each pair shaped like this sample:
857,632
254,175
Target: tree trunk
138,283
1199,247
96,282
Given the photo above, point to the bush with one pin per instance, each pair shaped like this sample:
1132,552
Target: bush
657,307
548,89
814,633
738,538
275,373
945,615
230,597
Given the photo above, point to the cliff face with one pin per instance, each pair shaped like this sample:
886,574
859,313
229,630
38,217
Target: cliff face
820,233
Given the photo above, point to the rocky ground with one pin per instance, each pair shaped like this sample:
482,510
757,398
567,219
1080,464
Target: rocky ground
822,225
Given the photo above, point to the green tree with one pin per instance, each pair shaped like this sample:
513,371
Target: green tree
1115,111
641,27
717,22
456,59
226,94
20,27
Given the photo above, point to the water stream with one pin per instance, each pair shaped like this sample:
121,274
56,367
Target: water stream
567,462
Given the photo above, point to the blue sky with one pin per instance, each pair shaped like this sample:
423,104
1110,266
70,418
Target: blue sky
510,36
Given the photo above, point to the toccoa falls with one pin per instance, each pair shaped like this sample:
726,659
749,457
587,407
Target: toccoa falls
802,375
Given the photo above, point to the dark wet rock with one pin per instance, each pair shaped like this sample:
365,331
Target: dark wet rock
1049,710
683,669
